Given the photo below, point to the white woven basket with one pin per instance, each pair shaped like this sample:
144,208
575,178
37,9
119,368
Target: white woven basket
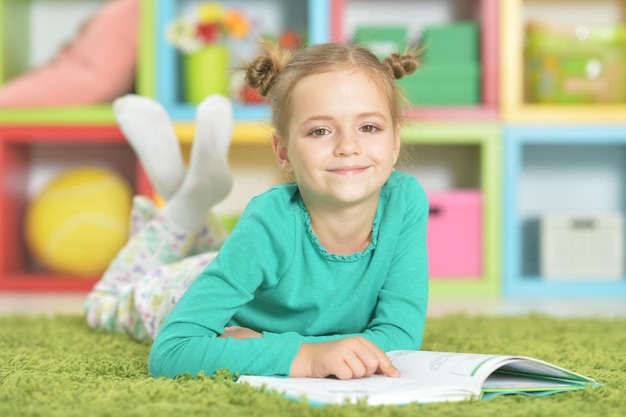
582,247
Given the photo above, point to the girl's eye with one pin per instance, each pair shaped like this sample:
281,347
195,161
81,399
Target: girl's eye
320,131
369,128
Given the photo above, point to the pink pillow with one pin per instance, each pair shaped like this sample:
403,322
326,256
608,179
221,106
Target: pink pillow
96,67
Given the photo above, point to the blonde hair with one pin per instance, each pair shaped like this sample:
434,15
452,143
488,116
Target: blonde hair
276,71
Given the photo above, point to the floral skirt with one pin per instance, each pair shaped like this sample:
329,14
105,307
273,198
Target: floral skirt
151,272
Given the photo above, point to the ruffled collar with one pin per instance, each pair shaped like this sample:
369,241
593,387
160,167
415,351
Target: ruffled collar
306,219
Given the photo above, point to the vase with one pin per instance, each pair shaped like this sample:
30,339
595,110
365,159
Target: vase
206,73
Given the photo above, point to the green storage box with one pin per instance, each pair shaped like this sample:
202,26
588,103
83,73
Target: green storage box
454,42
443,84
450,71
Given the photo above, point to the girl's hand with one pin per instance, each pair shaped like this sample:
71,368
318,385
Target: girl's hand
239,333
352,357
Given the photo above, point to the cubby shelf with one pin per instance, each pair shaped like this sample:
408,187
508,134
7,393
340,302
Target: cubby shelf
168,66
521,280
484,12
487,137
514,108
17,143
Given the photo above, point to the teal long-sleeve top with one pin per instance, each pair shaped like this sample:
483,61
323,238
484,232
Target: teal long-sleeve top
273,276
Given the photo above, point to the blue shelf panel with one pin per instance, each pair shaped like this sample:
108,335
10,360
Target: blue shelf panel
566,135
169,80
517,280
258,112
526,286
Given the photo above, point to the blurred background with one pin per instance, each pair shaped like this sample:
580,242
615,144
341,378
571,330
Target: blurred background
516,128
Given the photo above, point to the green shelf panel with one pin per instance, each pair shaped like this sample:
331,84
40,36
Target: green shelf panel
79,115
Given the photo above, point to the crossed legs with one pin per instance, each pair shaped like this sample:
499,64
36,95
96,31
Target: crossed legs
158,263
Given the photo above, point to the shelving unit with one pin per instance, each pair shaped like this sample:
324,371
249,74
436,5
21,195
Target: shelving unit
592,164
508,141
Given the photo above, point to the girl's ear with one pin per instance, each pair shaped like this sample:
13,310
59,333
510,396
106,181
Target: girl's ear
280,152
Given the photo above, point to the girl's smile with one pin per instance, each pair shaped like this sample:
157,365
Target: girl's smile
349,170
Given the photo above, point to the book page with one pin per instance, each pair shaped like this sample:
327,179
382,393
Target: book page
469,370
491,372
378,389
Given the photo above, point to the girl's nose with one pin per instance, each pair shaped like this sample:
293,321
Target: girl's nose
347,144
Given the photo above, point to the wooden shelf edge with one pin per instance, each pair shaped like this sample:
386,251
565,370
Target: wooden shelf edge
468,286
75,115
574,114
48,133
243,132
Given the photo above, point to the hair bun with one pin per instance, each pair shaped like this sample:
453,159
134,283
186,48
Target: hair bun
261,74
401,65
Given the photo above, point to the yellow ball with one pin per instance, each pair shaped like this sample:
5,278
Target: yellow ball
79,221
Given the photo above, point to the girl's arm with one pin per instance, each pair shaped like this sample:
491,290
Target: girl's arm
252,257
189,341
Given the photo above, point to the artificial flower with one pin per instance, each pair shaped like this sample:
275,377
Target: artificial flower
236,24
182,34
208,32
210,12
210,23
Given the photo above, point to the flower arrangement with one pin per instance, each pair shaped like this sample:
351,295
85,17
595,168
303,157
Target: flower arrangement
209,23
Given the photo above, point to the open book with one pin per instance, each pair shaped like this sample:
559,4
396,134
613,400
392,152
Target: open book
434,376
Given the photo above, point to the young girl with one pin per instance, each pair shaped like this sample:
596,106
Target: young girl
322,275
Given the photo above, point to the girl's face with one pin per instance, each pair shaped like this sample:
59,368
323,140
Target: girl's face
342,143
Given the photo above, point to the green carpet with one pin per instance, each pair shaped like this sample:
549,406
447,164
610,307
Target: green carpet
58,367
